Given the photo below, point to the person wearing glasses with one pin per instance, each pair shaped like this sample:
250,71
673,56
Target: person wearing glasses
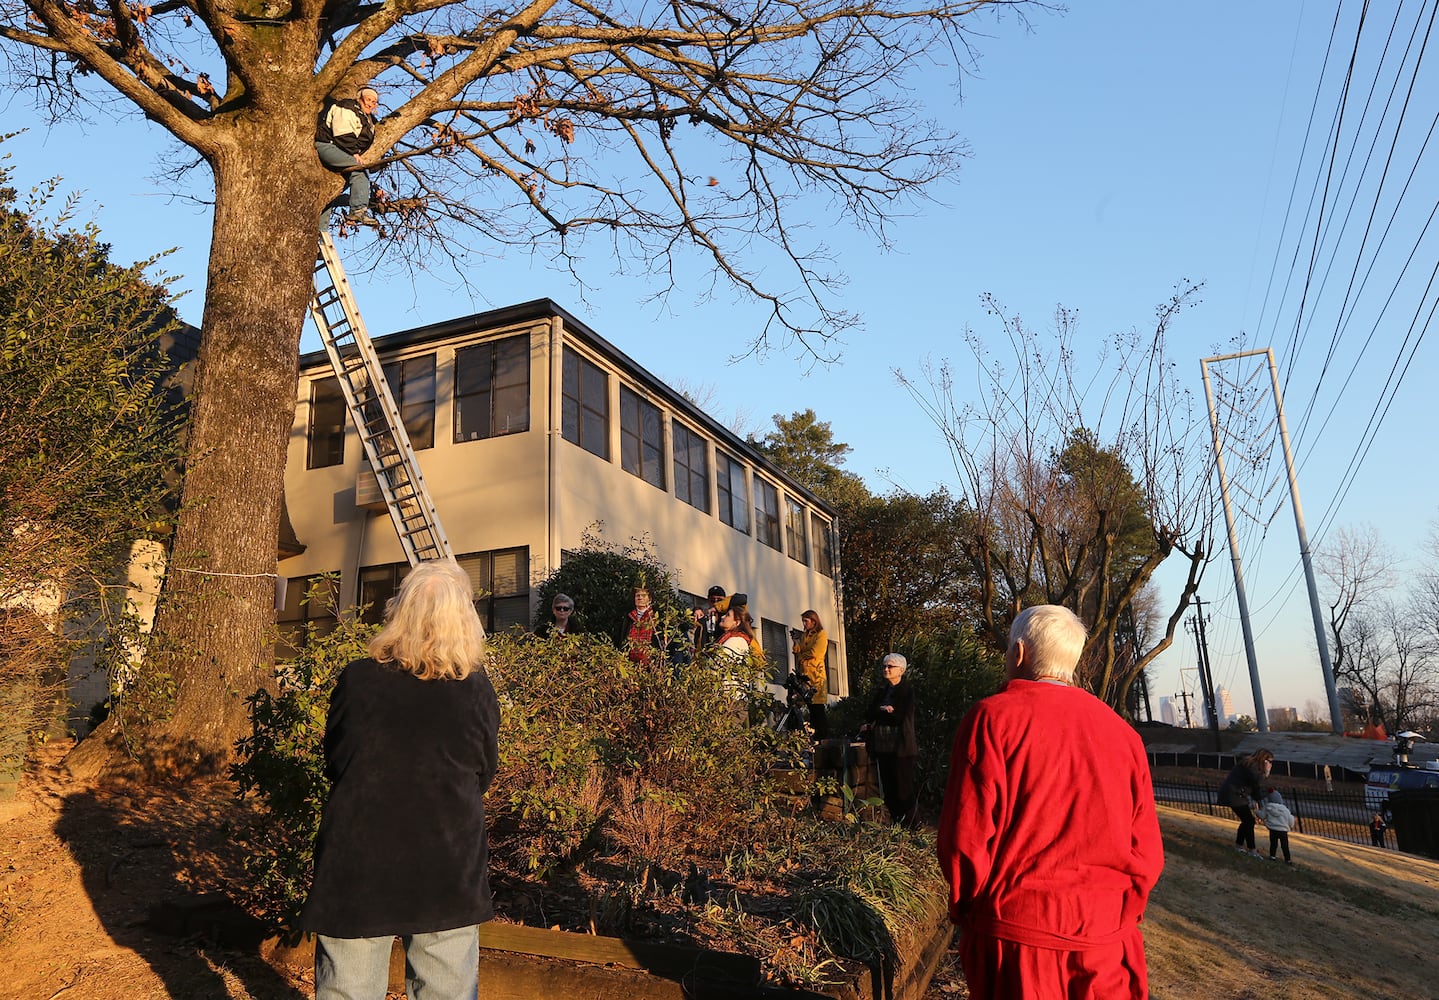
889,731
562,618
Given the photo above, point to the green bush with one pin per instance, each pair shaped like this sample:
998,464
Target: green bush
602,577
282,765
594,748
579,720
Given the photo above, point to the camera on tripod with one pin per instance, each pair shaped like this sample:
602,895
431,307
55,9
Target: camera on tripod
799,690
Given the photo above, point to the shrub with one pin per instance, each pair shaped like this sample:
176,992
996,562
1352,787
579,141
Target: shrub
678,737
282,764
587,736
602,578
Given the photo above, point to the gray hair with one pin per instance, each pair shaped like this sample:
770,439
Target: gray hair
895,659
1053,640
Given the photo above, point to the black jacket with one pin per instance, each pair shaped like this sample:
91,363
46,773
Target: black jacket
344,124
1240,786
402,846
901,697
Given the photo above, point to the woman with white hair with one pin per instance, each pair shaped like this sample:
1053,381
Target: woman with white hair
890,734
410,747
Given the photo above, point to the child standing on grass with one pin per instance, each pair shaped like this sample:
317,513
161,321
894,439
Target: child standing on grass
1277,819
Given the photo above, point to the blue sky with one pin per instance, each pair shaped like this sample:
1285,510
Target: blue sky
1116,150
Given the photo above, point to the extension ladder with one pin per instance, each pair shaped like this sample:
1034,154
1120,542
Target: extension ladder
372,408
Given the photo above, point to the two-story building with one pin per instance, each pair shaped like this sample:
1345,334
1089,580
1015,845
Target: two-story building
531,429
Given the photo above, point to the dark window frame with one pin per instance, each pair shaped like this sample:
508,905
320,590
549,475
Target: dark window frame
415,393
326,448
688,481
642,453
766,519
796,530
732,508
584,420
822,544
302,609
485,401
774,640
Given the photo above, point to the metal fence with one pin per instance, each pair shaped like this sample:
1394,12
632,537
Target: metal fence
1338,815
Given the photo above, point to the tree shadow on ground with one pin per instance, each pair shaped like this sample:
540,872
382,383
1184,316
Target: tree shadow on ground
154,863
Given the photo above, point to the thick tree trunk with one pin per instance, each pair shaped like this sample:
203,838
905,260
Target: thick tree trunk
213,640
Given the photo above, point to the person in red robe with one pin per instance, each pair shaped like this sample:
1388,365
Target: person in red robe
1048,836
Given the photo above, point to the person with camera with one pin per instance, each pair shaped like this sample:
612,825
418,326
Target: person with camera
708,629
810,645
889,731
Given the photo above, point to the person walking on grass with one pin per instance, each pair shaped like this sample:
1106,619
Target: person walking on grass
1278,820
1242,787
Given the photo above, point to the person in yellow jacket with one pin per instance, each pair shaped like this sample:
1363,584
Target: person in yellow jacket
810,647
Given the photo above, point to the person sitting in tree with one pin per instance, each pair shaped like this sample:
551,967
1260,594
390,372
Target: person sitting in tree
344,135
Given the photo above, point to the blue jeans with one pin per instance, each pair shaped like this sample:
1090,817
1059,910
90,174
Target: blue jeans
439,965
338,160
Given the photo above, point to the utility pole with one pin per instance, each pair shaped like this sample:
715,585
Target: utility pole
1320,639
1260,717
1183,696
1206,675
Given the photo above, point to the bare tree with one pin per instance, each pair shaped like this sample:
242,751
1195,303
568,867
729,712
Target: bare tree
1082,482
1355,566
646,131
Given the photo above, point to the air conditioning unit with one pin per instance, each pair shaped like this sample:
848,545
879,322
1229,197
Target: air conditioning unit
367,491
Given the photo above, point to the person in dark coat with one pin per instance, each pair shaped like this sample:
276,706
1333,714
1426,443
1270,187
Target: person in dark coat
410,747
889,730
1242,787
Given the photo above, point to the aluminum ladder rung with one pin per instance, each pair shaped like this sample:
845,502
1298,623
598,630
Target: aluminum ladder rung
373,412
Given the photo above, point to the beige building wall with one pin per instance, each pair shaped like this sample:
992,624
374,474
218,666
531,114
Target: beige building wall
536,489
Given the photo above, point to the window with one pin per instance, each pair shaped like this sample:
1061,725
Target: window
586,406
412,384
831,668
492,389
819,534
766,513
501,579
733,492
377,585
309,608
692,467
795,538
327,424
774,639
642,439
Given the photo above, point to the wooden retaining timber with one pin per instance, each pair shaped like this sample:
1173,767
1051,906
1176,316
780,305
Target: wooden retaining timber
521,963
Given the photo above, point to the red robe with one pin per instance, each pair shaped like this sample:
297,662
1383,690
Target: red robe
1051,845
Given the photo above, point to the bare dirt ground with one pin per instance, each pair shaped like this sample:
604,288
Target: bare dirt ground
86,873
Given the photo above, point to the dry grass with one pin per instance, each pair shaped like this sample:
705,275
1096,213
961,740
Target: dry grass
1343,922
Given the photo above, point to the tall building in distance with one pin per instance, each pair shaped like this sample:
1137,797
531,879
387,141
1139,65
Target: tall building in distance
1226,705
1166,712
